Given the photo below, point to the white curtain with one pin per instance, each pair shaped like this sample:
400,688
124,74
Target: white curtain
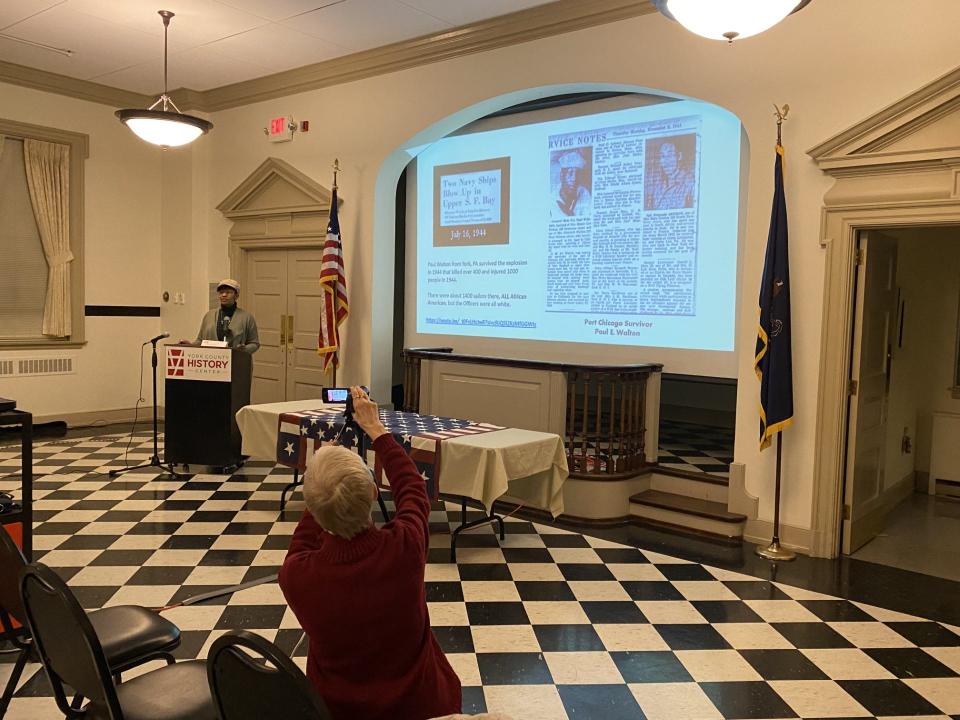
48,179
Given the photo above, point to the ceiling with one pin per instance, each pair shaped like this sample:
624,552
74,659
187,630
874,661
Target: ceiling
213,43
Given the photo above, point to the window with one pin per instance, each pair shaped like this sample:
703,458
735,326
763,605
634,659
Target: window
23,274
24,270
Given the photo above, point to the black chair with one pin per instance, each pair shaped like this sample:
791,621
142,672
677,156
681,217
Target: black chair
72,656
11,609
129,635
251,679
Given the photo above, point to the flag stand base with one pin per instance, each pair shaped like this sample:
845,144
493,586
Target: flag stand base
775,551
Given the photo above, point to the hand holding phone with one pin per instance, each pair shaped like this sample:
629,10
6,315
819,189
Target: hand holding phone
365,412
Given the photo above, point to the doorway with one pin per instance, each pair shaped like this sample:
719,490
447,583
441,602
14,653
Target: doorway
283,293
279,224
901,490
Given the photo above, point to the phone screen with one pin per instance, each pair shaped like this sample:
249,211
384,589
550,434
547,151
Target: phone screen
335,395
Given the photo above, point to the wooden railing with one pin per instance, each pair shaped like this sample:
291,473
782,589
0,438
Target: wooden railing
606,407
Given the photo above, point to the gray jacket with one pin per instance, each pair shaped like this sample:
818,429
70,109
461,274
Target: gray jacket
241,333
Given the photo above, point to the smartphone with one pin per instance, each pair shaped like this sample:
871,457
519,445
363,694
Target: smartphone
337,395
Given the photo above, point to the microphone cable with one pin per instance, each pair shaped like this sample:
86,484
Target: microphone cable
136,409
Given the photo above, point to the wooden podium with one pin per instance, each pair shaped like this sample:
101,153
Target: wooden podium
205,387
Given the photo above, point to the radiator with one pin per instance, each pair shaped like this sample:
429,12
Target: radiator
40,365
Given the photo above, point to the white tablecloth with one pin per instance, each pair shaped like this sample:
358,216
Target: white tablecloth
531,466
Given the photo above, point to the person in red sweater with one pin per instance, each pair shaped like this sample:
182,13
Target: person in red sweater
358,590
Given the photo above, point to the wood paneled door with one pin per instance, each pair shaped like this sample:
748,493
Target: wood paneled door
873,337
283,293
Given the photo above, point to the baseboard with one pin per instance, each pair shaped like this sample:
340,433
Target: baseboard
757,531
97,418
506,507
903,489
599,502
760,532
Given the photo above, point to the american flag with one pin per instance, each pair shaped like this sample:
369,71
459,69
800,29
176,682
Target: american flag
301,433
334,285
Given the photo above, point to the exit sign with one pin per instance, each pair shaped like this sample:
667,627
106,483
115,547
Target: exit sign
280,129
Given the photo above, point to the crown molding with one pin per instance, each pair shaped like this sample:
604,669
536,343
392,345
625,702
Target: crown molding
72,87
555,18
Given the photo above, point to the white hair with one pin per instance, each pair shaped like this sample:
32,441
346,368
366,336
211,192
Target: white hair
338,490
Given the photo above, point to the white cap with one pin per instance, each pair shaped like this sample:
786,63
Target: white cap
230,283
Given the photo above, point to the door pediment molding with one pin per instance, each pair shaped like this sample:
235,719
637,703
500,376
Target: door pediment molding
919,131
275,188
899,167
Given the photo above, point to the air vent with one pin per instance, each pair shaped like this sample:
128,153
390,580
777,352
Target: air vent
33,366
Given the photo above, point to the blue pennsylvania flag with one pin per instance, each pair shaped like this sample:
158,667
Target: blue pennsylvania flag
773,359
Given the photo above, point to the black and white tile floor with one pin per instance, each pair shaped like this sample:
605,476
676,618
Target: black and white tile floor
546,624
695,448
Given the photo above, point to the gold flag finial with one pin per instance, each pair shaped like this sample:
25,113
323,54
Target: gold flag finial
781,114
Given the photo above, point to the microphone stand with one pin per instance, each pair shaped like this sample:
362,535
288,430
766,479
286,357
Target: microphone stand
155,458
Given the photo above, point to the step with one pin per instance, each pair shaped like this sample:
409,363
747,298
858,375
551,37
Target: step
701,476
688,484
695,514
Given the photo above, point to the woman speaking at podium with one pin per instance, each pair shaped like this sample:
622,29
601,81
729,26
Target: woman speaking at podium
228,322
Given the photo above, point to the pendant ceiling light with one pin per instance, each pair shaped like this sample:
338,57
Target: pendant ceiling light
165,127
728,19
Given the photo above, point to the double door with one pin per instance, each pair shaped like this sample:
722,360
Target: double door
283,293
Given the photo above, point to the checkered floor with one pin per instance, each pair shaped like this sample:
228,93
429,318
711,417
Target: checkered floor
547,624
695,448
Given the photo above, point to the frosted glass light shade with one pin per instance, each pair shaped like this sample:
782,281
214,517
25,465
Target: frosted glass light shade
166,129
728,19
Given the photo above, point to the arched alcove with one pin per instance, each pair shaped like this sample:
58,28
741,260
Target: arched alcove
390,171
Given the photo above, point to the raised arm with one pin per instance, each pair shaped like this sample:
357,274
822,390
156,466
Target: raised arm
407,486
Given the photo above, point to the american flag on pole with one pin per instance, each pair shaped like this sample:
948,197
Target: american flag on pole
333,282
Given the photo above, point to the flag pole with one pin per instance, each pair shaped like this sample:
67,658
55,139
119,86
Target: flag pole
775,551
336,171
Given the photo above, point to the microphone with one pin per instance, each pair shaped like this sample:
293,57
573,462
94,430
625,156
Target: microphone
161,336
